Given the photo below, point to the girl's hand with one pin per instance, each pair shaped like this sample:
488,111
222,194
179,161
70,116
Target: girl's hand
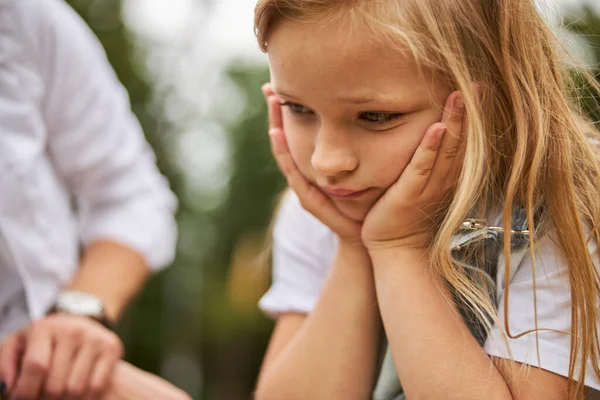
407,213
310,196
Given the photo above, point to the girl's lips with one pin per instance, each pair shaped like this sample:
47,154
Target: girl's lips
342,193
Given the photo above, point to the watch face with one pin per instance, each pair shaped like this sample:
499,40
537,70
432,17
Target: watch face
80,303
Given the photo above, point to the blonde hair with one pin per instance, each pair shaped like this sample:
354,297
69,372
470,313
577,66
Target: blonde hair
530,148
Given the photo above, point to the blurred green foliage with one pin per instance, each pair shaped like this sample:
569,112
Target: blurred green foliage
234,353
205,305
585,23
219,324
141,333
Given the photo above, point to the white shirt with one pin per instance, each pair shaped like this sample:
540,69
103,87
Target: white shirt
67,138
304,248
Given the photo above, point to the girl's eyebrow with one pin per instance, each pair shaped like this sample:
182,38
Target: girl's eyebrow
359,100
376,98
284,94
353,99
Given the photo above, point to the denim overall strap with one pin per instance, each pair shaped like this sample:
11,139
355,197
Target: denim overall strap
491,242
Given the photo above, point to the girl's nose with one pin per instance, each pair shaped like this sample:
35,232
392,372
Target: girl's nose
333,154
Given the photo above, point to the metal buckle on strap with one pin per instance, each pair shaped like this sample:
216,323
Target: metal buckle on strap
481,224
472,230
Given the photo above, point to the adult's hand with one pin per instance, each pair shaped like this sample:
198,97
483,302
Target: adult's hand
60,356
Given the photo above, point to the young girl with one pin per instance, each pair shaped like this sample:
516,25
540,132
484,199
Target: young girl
444,196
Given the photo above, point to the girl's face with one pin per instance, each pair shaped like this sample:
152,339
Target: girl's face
354,112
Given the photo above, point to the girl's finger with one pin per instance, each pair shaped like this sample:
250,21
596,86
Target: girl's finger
445,171
56,383
294,177
267,90
275,116
413,180
281,151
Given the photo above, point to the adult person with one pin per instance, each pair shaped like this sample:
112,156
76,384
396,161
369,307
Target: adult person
85,215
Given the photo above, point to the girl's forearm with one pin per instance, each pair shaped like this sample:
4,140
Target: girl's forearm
334,353
435,355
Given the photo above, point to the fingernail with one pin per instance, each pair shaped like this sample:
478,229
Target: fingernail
458,102
3,388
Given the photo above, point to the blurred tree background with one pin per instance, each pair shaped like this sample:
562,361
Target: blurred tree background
585,24
197,323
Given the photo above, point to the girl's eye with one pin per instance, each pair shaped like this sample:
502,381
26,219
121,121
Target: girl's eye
296,108
379,117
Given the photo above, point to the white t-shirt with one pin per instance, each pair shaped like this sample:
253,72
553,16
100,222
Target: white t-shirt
303,250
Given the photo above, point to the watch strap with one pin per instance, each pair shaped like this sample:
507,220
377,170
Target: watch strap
101,319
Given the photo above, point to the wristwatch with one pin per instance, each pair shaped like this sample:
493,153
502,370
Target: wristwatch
83,304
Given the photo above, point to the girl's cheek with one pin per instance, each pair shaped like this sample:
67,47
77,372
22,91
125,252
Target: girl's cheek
392,157
300,146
